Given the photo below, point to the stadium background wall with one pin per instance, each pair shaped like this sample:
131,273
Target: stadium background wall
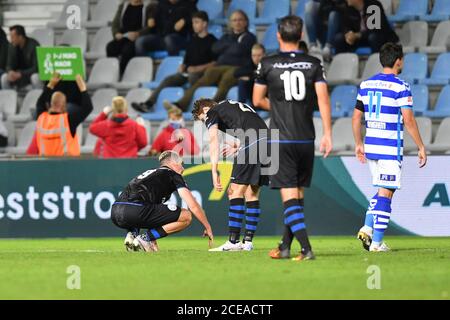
72,198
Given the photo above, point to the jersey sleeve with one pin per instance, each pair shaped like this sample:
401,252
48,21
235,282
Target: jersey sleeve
179,181
319,74
404,97
212,118
261,73
359,103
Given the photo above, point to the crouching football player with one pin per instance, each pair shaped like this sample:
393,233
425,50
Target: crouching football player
141,205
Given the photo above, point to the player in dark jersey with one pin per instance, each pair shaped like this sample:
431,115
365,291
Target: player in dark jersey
250,132
141,205
295,82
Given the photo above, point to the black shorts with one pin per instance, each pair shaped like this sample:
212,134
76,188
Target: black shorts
146,216
249,164
296,166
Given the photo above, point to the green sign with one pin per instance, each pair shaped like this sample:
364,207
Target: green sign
67,61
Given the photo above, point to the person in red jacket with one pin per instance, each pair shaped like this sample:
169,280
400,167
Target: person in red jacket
175,137
119,136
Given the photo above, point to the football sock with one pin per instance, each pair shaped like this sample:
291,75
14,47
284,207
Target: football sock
251,219
295,219
369,215
156,233
286,241
382,212
134,231
235,216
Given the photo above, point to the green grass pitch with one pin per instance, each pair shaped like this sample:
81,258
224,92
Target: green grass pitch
417,268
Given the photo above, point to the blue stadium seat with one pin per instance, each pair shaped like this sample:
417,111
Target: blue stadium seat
420,98
440,12
202,92
343,100
300,10
410,10
270,41
214,8
442,107
252,28
248,6
167,67
233,94
415,67
158,55
216,30
363,51
172,94
440,74
272,10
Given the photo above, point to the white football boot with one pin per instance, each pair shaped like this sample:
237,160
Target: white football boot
247,246
228,246
128,243
365,235
140,243
379,248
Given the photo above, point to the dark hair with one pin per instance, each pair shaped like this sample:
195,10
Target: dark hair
389,53
20,30
303,46
201,15
290,29
200,104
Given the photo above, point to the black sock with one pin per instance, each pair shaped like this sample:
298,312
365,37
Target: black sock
235,217
286,241
251,219
156,233
294,218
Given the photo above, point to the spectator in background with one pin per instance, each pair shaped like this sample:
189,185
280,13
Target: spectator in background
175,137
198,58
21,65
233,51
173,22
322,21
246,74
3,132
121,137
56,127
357,33
131,20
4,44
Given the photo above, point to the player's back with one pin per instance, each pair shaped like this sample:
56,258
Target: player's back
291,78
382,97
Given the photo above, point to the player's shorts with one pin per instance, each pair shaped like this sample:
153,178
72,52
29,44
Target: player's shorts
386,173
129,215
296,166
249,165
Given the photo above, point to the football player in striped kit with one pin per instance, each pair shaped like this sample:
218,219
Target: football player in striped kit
387,105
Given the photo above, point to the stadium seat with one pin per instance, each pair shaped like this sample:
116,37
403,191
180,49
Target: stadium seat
216,30
137,95
387,6
202,92
24,139
8,102
74,38
440,74
442,107
415,67
273,9
28,108
61,22
270,41
104,73
343,100
343,135
343,69
97,48
45,37
138,70
248,6
100,99
233,94
300,10
420,98
102,14
441,141
363,51
158,54
89,144
167,67
413,35
440,12
410,10
425,129
171,94
214,8
441,39
372,67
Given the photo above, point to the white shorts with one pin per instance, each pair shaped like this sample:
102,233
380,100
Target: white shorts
386,173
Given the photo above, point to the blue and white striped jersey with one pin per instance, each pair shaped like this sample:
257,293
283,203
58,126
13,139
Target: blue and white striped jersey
381,97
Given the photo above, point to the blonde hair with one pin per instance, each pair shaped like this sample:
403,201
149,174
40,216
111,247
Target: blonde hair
119,105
